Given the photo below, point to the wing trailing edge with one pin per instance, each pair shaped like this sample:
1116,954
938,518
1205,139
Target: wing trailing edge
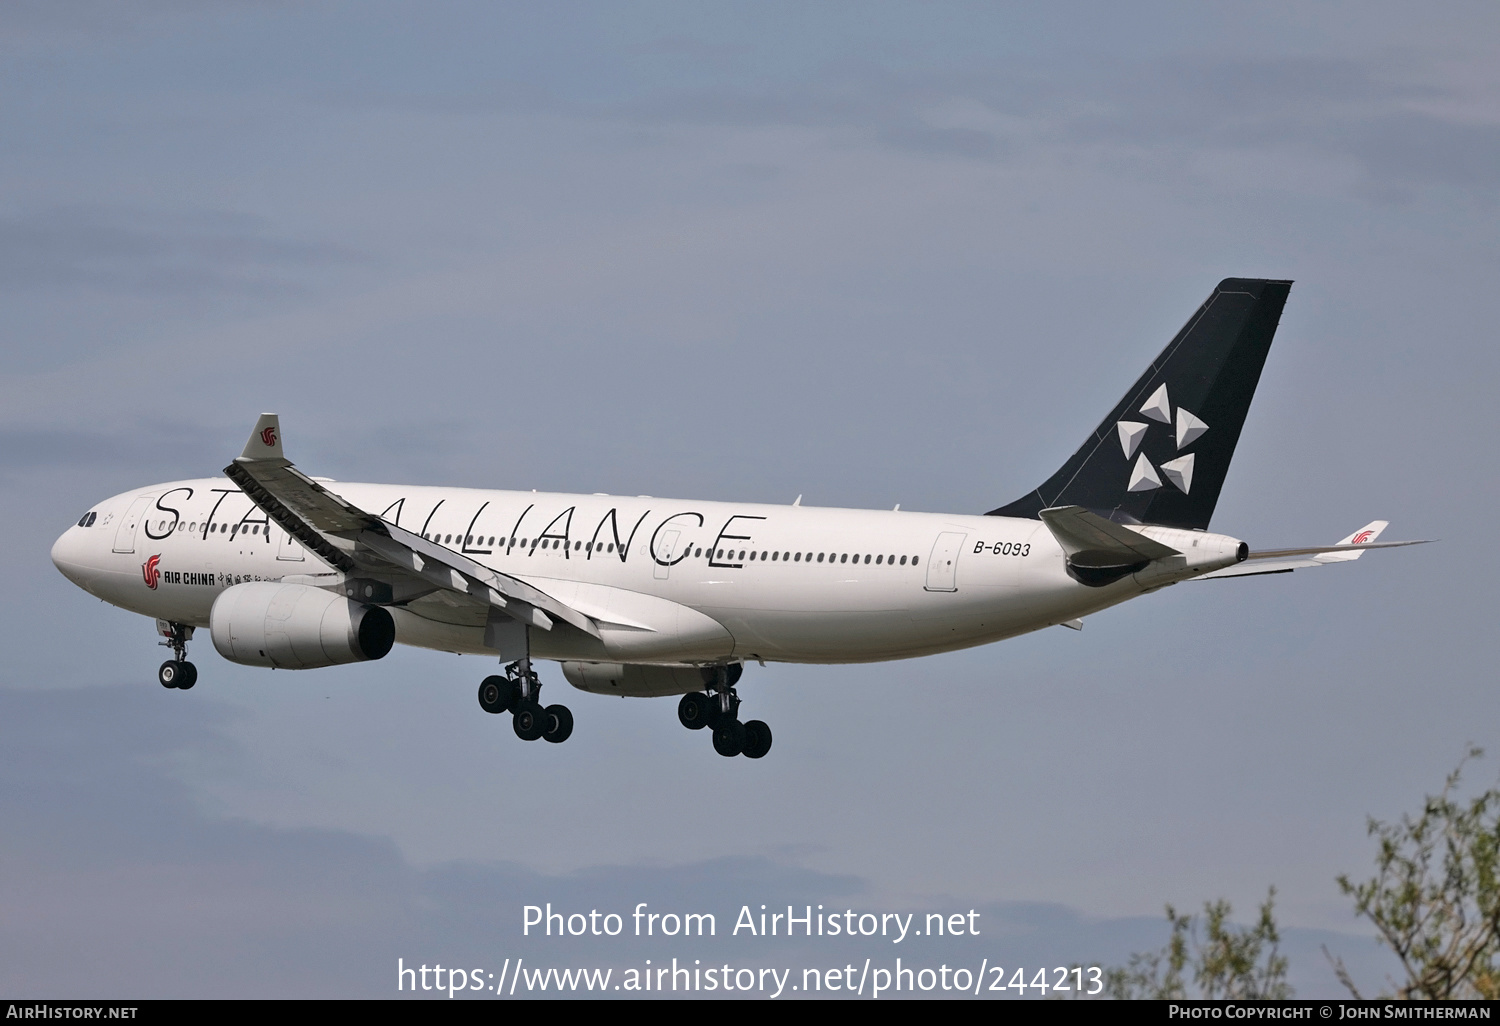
1284,561
358,543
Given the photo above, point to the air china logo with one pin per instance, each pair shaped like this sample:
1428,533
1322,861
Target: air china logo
1144,476
1361,538
149,572
268,436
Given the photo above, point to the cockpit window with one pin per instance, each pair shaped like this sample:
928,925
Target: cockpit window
87,520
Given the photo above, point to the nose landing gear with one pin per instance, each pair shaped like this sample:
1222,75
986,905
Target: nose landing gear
518,692
718,709
176,672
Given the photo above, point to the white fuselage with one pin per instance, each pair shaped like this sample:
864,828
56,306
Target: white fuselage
669,581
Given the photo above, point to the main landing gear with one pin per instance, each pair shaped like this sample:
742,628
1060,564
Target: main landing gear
176,672
719,710
518,692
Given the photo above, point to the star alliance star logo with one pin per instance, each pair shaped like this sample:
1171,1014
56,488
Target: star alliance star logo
1143,476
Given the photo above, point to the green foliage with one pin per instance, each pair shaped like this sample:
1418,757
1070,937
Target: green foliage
1225,961
1435,897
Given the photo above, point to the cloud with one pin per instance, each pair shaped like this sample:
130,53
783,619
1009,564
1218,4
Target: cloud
27,19
136,446
1375,113
136,251
115,882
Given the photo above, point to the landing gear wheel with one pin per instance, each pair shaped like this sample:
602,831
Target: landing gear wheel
170,674
695,711
757,739
187,677
529,721
496,694
729,738
559,720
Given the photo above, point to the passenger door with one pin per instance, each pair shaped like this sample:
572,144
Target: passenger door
942,565
125,533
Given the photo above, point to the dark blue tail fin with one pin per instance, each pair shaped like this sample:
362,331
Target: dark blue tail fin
1162,454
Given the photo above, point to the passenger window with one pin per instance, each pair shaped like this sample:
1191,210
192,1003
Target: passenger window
797,558
914,561
820,557
844,558
867,558
878,559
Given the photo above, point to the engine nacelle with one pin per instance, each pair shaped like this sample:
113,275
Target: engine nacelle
295,627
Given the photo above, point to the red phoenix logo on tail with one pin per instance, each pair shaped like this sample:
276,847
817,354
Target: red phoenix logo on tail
149,572
1361,538
268,436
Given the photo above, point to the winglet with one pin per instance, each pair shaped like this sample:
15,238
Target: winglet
1363,536
265,440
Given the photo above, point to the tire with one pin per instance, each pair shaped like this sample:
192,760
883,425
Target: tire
187,677
559,720
757,739
695,710
529,720
170,673
496,694
729,738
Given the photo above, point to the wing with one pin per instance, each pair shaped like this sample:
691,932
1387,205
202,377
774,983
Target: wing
1284,561
362,545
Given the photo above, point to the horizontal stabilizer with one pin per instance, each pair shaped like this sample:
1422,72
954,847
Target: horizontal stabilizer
1099,551
1077,530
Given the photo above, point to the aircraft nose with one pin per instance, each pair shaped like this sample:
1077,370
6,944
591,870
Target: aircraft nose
67,554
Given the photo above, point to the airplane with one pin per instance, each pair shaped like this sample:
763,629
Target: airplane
649,597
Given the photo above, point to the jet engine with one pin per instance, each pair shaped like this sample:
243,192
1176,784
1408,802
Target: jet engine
295,627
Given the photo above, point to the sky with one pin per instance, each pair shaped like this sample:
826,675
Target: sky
866,253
